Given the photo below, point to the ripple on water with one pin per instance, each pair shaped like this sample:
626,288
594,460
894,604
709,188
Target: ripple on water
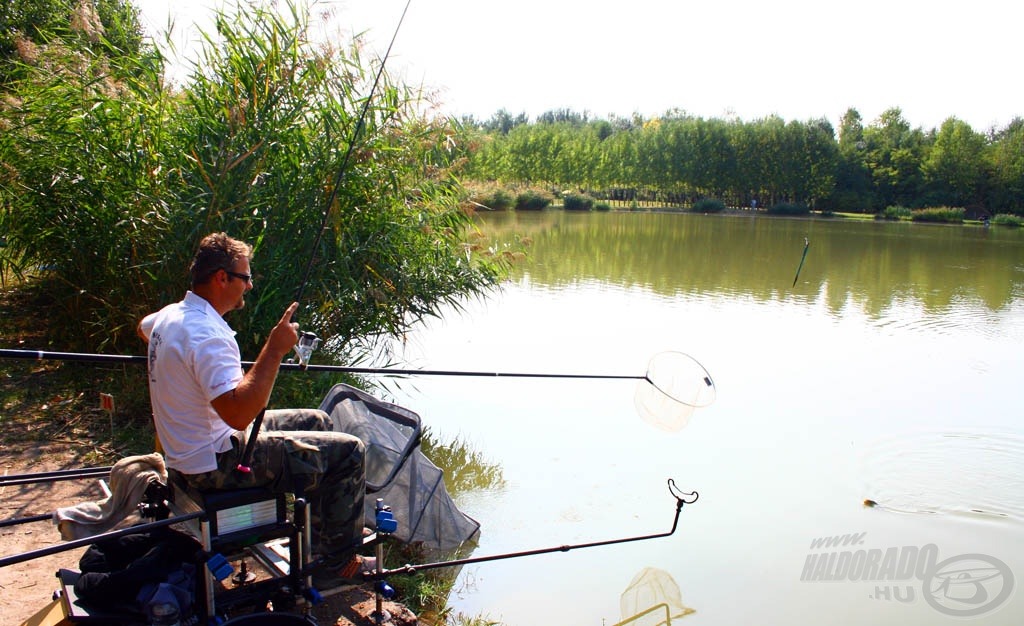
973,474
959,317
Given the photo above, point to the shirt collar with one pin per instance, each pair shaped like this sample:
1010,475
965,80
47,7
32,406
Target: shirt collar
195,301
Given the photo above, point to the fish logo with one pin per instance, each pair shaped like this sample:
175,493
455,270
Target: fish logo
968,585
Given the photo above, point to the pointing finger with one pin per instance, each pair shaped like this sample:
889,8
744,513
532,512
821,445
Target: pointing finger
289,312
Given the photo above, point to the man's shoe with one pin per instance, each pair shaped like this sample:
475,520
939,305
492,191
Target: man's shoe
330,551
354,572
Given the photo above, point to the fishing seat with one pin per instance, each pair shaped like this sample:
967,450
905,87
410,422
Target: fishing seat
256,521
250,538
231,515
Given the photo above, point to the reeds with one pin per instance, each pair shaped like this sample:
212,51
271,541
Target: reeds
111,176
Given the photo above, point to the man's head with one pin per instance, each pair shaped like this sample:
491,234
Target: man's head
220,271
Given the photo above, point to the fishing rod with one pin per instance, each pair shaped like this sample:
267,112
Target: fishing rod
10,480
674,374
87,541
141,360
342,169
681,499
308,341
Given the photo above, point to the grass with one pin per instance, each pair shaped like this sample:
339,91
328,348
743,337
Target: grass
895,213
1006,219
946,215
57,402
855,216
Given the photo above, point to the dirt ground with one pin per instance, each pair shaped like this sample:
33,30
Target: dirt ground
28,587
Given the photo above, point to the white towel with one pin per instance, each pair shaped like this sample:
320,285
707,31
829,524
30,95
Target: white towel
129,479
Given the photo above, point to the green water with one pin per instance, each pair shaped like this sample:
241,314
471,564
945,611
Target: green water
888,372
873,263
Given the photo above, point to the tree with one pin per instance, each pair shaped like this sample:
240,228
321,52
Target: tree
681,157
853,189
893,155
503,122
819,161
954,169
710,171
557,116
851,131
751,180
1006,155
766,154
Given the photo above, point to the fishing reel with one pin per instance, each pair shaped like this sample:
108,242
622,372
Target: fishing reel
304,349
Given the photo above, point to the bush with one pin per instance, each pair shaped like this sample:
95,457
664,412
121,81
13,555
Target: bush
708,205
578,202
947,215
895,213
602,205
788,208
110,178
532,200
495,198
1007,219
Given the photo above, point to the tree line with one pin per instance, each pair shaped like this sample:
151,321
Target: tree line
679,158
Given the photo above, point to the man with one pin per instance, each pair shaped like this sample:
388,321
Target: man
203,403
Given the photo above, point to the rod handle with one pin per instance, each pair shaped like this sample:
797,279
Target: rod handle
250,444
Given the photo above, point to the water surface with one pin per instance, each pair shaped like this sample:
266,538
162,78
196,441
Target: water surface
888,373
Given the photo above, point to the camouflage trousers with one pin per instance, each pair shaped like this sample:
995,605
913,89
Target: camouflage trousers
300,451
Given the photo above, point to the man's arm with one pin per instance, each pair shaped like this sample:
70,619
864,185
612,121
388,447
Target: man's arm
240,406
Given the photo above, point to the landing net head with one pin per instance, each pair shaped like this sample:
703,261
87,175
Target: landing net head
674,386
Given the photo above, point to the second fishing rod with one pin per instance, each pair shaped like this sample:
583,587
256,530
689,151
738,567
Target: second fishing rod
308,341
676,375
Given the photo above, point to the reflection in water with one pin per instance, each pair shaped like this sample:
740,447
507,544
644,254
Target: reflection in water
873,265
652,598
465,468
956,473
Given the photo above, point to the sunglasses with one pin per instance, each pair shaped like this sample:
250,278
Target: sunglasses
246,277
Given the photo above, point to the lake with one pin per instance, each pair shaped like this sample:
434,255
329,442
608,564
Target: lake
888,373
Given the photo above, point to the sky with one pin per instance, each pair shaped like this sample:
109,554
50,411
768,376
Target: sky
798,59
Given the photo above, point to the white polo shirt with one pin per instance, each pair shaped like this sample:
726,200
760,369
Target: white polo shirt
193,358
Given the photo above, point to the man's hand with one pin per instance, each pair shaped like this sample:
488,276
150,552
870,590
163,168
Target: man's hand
285,334
239,407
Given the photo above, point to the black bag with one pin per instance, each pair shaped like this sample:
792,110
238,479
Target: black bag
115,571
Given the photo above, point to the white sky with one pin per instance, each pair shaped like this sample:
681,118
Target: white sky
800,59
